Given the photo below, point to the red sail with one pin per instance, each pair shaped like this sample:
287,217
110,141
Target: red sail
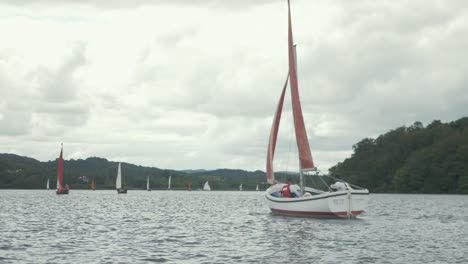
305,157
60,170
274,135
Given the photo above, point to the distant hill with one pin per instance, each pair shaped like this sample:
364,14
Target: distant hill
27,173
414,159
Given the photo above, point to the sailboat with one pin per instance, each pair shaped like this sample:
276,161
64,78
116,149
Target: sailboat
240,187
47,185
256,188
206,187
189,185
60,188
169,183
118,182
147,184
347,201
92,185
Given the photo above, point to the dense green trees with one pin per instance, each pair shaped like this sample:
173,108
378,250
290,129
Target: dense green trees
411,159
24,172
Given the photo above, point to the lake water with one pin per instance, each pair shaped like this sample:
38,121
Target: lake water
38,226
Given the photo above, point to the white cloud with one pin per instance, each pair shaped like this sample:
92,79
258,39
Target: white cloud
194,84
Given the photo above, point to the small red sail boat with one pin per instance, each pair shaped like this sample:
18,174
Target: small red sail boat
337,200
93,187
60,188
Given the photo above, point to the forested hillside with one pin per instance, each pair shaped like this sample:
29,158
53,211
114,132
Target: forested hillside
26,173
415,159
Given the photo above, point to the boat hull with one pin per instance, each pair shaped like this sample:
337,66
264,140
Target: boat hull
63,191
340,204
122,190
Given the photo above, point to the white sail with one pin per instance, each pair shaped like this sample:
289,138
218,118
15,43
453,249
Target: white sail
256,188
118,182
169,184
47,186
240,187
206,187
147,183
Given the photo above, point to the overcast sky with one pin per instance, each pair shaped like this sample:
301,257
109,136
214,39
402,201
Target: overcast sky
185,84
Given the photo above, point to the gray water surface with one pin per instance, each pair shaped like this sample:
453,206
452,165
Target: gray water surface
38,226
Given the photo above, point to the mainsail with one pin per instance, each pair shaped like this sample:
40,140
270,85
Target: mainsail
47,186
147,183
305,157
169,183
60,170
118,182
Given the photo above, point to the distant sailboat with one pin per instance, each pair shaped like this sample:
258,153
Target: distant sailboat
206,187
47,185
240,187
118,182
92,185
256,188
169,183
60,188
147,184
189,186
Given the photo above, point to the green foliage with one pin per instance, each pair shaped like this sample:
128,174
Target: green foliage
26,173
411,160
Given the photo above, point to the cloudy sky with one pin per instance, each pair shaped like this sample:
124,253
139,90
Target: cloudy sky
185,84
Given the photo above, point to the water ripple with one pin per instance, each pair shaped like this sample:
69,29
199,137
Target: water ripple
223,227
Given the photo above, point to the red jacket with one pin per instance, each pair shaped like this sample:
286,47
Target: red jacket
285,190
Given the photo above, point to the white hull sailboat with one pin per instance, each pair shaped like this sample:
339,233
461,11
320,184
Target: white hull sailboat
240,187
297,200
47,185
118,181
256,188
316,203
206,187
169,182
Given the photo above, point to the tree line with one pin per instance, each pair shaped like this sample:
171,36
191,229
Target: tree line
27,173
414,159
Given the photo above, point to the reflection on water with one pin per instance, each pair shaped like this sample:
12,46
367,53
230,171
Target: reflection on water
223,227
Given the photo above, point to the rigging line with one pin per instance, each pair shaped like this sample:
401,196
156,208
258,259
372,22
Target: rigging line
328,187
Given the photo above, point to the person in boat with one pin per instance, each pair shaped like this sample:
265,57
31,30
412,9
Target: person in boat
286,190
338,186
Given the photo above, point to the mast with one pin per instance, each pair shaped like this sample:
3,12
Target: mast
301,175
305,157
